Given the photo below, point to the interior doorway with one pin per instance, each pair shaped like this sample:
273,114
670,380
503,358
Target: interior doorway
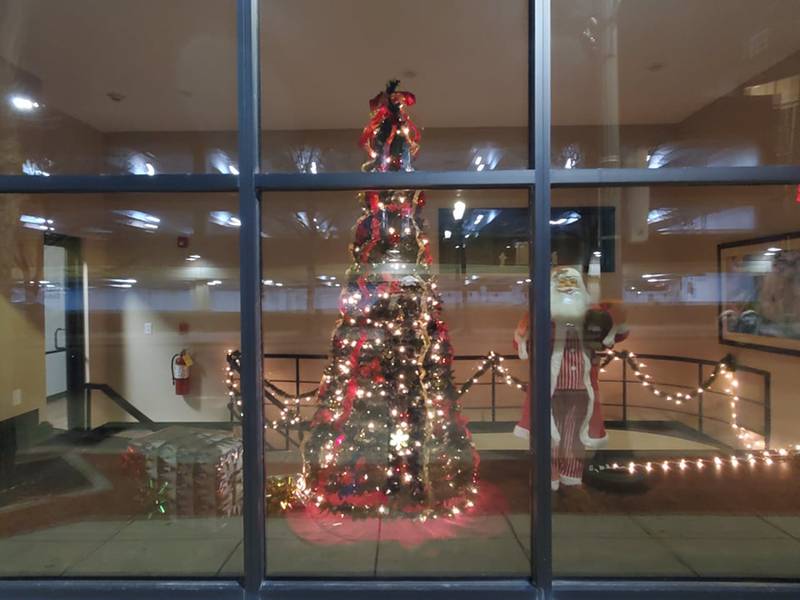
65,355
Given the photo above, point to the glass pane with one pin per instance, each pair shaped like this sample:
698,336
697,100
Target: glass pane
117,87
118,454
676,351
675,83
379,309
465,61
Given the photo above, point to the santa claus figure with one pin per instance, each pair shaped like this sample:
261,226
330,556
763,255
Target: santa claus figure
578,332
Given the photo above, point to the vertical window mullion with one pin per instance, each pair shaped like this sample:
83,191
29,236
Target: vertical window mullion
539,297
250,285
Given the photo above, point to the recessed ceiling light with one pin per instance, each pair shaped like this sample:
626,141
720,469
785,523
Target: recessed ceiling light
458,210
224,218
23,103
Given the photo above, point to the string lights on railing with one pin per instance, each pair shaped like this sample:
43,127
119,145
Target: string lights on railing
724,371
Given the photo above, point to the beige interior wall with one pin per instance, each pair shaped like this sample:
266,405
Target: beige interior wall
22,382
135,332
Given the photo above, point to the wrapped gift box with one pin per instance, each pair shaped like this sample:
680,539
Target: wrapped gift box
191,471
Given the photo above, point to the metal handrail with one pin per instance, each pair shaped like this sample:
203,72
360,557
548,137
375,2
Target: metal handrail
117,399
297,382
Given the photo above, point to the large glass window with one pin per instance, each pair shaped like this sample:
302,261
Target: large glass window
654,83
465,61
397,340
392,386
119,87
674,357
118,453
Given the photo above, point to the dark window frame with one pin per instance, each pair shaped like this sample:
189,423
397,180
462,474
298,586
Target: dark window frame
539,179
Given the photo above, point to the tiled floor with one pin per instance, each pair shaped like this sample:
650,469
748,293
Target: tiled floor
584,545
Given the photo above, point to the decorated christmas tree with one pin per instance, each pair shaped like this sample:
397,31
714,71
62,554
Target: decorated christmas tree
388,437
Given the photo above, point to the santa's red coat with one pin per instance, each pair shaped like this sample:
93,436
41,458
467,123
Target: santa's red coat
592,431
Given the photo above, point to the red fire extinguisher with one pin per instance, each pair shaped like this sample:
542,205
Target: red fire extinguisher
180,372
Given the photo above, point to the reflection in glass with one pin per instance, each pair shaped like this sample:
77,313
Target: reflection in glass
714,84
381,439
689,337
117,453
120,88
467,66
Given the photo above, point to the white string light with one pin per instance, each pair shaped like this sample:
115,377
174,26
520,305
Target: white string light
290,414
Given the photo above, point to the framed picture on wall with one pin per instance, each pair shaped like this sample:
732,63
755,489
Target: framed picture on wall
760,293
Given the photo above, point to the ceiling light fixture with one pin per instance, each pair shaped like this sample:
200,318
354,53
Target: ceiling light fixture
458,210
224,218
23,103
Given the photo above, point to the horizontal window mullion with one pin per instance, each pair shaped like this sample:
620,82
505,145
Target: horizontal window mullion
621,589
766,175
395,180
26,184
399,590
120,589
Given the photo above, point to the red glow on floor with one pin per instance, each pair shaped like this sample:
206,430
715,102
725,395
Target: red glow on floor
485,519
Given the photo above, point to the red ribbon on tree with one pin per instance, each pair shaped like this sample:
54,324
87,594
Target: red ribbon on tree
352,385
389,106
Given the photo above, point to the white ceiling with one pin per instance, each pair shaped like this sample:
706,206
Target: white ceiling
175,60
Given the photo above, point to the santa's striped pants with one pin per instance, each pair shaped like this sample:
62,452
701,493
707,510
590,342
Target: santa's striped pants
569,412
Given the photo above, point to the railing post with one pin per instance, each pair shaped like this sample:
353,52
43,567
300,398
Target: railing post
699,398
767,409
494,397
297,375
297,393
88,409
625,392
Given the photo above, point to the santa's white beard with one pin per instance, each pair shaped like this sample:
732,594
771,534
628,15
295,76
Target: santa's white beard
568,308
